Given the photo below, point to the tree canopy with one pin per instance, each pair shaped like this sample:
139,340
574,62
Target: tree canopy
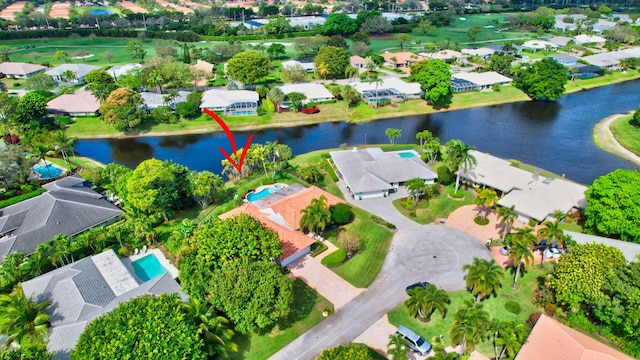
32,108
542,80
353,351
614,205
147,327
100,84
434,78
122,109
333,60
339,24
248,66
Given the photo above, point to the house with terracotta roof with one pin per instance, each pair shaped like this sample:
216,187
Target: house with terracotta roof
80,103
20,70
401,60
280,212
358,62
550,339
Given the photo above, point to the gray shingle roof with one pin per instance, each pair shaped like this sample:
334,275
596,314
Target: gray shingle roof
79,292
68,207
369,170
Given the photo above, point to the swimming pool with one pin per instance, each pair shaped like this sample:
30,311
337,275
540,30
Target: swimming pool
406,154
47,172
148,268
100,12
255,196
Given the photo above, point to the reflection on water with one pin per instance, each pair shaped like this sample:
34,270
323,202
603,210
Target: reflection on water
553,135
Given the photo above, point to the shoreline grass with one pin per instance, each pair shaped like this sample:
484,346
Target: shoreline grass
626,135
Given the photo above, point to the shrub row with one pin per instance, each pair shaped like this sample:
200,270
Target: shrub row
336,258
184,36
329,169
380,221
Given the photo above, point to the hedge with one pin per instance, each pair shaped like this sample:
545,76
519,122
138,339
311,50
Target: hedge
19,198
336,258
184,36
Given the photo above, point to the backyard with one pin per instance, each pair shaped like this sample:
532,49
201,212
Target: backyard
427,212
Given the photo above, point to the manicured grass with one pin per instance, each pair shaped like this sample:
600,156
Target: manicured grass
571,227
607,79
362,269
440,207
495,305
627,135
90,126
306,312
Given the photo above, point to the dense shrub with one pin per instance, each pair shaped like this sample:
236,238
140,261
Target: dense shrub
17,199
513,307
444,175
341,214
336,258
187,110
318,248
635,120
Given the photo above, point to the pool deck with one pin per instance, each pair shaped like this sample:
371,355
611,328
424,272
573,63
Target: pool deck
285,192
159,255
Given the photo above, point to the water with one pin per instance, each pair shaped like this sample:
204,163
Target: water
100,12
555,136
148,268
47,172
406,154
255,196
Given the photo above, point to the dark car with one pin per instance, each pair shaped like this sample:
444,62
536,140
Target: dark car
422,284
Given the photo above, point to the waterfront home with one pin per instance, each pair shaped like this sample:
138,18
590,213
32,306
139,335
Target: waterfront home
280,212
69,206
565,59
533,196
83,290
479,81
567,344
153,100
386,89
80,103
371,172
79,70
20,70
230,102
312,91
611,60
583,71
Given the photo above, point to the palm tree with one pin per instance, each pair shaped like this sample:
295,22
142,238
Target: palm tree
470,326
485,200
21,319
458,157
323,70
397,347
520,251
483,277
213,329
506,216
12,268
63,144
424,136
68,76
316,216
393,134
350,95
170,98
260,155
415,187
552,232
423,302
508,336
157,79
62,244
41,151
276,96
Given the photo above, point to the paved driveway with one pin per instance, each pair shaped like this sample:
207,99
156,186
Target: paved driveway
434,253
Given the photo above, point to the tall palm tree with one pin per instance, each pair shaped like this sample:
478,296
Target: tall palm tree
397,347
483,277
63,143
21,319
507,216
260,155
12,268
552,232
276,96
393,134
458,156
508,337
316,216
423,302
213,329
520,251
470,326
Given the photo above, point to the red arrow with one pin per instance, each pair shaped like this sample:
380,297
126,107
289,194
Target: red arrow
224,126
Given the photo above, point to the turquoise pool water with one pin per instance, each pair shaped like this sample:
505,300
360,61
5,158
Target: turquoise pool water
100,12
47,172
255,196
148,267
406,154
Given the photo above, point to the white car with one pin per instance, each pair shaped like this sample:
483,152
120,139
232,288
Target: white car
553,253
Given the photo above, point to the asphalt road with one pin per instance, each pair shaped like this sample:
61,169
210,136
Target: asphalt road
433,253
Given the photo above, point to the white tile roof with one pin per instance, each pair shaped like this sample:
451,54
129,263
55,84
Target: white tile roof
19,68
312,91
307,66
391,82
482,52
120,70
482,79
538,44
80,69
588,39
612,58
153,100
221,98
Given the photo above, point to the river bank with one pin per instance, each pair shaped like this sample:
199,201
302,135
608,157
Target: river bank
94,128
604,138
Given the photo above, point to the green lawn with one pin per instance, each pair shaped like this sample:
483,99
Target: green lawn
606,79
627,135
362,269
306,312
494,305
440,207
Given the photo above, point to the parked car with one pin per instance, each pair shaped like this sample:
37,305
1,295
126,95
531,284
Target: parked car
416,342
505,250
553,253
311,110
422,284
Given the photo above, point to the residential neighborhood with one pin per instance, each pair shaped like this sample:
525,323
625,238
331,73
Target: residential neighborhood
335,180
